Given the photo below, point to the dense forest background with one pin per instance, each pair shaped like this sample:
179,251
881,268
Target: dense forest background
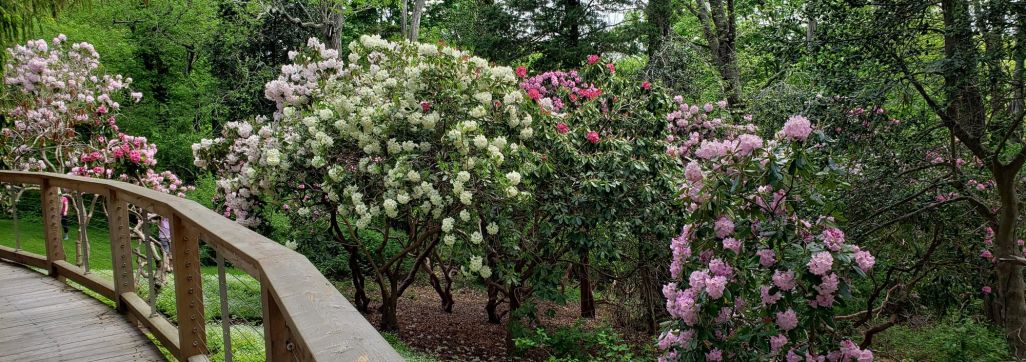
907,88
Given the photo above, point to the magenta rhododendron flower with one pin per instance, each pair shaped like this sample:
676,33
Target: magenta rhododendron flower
646,85
592,59
714,355
986,289
562,128
521,71
611,67
592,137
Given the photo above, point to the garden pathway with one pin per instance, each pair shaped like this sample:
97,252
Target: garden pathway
43,319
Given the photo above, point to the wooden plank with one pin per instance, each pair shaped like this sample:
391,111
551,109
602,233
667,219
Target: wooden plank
49,321
92,281
162,329
23,257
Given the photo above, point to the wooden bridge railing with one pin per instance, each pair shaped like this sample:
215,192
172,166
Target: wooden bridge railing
304,317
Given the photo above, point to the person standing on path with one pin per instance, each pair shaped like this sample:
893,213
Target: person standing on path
64,215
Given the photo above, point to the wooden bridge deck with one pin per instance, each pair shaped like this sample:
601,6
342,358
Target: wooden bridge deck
43,319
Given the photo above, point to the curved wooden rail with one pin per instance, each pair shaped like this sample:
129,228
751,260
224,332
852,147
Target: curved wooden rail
304,316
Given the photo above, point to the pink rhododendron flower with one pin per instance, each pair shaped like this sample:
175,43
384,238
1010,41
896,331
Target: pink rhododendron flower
611,67
767,298
521,71
715,286
833,238
766,257
821,263
986,254
562,128
776,342
592,59
986,289
592,137
714,355
425,106
787,320
724,227
784,280
693,172
865,260
797,128
732,245
646,85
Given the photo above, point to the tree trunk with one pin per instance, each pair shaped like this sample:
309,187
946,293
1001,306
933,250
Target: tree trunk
584,276
513,323
389,306
493,305
442,288
659,15
361,300
1011,288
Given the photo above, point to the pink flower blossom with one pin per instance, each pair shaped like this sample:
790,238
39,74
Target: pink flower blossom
776,342
797,128
766,257
821,263
592,59
787,320
784,280
693,172
562,128
732,245
646,85
986,289
986,254
767,298
715,286
425,106
714,355
611,67
833,238
521,71
865,260
724,227
592,137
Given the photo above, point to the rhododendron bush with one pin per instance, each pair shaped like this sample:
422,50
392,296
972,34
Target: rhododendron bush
408,142
65,120
757,270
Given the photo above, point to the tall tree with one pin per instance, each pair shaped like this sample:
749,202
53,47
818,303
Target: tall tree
719,27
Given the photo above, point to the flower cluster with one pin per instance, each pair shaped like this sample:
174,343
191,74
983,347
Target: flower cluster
418,133
557,90
65,117
747,260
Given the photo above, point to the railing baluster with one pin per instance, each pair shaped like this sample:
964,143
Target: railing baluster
121,247
151,274
14,212
226,327
188,289
52,225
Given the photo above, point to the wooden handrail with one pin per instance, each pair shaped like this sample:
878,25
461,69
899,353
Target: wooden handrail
304,316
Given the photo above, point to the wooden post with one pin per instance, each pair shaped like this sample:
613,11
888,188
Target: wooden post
188,289
52,226
120,248
277,345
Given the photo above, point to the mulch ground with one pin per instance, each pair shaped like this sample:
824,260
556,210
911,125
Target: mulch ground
465,334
